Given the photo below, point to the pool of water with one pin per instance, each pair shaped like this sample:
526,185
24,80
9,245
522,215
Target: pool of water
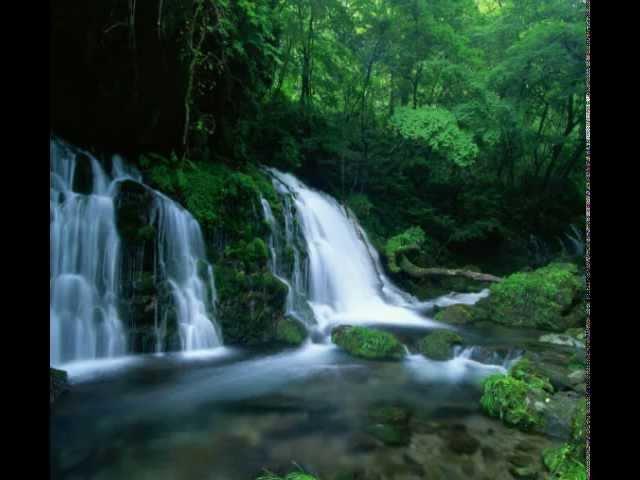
230,413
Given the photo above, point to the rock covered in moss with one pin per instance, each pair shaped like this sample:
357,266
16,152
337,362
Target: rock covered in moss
512,400
560,339
455,315
368,343
58,383
579,428
290,332
438,345
290,476
549,298
563,464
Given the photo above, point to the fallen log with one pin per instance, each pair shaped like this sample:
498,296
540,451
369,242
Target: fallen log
419,272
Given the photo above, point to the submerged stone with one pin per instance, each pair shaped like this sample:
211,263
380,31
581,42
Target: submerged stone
455,315
438,345
368,343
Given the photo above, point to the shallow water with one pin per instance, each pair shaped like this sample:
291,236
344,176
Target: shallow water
229,413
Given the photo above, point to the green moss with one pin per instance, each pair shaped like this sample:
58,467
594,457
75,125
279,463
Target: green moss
525,371
578,429
563,464
368,343
438,344
389,414
511,400
546,299
290,332
411,238
455,315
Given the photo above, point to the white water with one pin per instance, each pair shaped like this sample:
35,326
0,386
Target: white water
85,268
346,284
84,256
182,254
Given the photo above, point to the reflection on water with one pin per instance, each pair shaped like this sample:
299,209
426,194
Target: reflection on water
228,413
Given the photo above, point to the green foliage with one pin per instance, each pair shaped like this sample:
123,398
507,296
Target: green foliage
437,128
525,371
511,400
411,238
438,344
368,343
563,464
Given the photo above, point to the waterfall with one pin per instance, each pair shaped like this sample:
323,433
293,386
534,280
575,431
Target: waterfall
86,261
183,262
344,278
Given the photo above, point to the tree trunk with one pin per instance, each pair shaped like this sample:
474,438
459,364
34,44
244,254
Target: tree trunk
418,272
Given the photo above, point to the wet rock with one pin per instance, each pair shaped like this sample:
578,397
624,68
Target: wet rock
290,332
558,415
528,472
83,175
577,377
392,435
389,414
58,383
361,443
438,345
455,315
461,442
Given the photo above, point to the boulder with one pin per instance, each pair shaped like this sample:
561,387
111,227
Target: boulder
455,315
368,343
550,298
438,345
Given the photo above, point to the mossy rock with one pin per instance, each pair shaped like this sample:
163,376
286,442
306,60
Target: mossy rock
513,401
290,332
528,372
549,298
389,414
133,213
438,345
455,315
563,464
368,343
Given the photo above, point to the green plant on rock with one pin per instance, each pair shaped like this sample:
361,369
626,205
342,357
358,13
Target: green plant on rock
525,371
411,239
290,332
455,315
545,298
563,464
510,399
368,343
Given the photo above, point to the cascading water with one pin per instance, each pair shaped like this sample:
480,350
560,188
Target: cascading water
86,257
345,280
183,262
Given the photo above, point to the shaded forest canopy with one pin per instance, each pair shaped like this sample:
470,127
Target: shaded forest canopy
463,118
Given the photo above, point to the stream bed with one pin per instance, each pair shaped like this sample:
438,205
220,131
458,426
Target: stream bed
229,414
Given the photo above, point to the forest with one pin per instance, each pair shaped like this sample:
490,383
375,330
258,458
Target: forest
292,184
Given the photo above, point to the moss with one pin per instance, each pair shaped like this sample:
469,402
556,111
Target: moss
578,429
524,370
546,298
511,400
368,343
455,315
290,332
409,239
563,464
438,344
58,383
